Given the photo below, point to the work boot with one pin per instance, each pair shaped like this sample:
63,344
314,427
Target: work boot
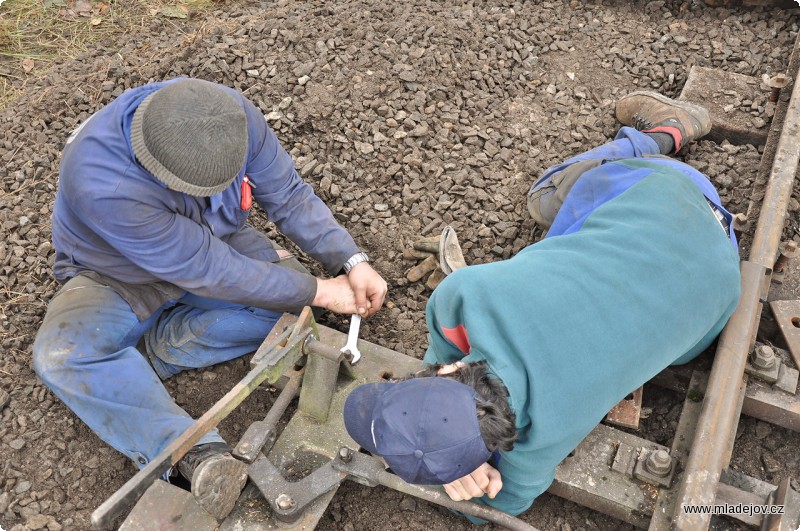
217,477
650,112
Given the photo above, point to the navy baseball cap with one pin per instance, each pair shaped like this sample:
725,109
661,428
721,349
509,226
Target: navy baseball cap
425,428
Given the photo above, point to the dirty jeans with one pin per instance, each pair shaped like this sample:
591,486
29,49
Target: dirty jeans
547,195
85,352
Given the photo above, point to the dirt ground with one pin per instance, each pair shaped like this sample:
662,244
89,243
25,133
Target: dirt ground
404,117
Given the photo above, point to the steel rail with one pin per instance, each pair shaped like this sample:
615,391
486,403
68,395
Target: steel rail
718,418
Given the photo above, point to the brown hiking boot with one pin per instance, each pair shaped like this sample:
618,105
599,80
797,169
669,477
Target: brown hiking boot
217,477
650,112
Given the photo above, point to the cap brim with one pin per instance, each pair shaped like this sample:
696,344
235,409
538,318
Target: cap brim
358,413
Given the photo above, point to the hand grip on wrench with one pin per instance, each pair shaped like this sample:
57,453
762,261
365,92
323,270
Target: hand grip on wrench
351,346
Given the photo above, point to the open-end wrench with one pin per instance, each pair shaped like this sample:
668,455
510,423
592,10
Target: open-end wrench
351,346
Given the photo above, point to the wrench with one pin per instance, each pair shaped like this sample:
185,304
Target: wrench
351,346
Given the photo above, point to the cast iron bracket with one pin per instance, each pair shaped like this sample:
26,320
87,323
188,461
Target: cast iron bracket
289,499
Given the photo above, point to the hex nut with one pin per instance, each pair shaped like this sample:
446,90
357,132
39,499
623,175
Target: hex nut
763,357
659,463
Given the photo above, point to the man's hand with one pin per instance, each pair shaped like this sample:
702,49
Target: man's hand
369,288
335,294
483,480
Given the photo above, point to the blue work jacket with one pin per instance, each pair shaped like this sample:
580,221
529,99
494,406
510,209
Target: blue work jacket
112,217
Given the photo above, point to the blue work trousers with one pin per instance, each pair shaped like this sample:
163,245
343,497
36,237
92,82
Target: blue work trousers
548,193
85,352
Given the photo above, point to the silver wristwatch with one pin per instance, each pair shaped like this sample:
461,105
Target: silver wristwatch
355,260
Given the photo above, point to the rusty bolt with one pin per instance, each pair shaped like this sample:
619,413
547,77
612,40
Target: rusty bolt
763,357
786,252
776,83
345,454
284,502
658,463
740,222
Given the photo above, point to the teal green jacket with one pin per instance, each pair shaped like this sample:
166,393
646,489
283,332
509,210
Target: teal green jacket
575,322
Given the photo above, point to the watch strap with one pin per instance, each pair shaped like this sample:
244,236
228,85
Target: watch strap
355,260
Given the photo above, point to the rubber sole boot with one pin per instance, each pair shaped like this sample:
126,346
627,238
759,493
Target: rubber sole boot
217,483
652,112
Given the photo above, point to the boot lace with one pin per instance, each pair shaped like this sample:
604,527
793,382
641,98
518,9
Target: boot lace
641,123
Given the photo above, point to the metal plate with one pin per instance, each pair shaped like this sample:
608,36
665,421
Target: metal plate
586,478
165,507
627,412
787,316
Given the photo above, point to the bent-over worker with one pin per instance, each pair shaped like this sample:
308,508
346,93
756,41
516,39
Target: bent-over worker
639,270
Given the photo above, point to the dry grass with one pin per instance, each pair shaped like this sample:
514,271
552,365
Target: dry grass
34,33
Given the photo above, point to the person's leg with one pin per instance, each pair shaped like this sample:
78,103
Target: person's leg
200,332
661,126
85,352
548,193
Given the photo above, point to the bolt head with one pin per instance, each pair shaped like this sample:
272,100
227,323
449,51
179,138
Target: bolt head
763,357
284,502
345,454
789,249
659,463
740,221
778,81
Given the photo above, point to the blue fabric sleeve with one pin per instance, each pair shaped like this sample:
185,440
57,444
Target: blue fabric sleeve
289,202
176,249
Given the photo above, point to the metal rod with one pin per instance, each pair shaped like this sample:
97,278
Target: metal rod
760,402
314,346
369,470
718,417
687,424
483,512
284,398
259,432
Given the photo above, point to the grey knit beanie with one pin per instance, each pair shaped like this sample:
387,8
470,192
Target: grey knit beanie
192,135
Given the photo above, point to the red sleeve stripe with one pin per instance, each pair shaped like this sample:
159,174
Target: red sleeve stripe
458,336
